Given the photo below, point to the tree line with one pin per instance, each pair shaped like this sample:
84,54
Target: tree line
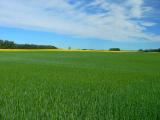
6,44
111,49
150,50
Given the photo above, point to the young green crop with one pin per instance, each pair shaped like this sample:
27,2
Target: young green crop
79,86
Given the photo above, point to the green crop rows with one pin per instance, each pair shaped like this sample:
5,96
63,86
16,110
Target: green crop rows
79,86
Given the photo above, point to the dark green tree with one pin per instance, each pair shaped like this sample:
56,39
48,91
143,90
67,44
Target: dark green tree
114,49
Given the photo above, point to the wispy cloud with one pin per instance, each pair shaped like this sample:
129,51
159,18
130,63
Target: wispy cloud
95,19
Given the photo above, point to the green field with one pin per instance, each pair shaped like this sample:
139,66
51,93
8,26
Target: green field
79,86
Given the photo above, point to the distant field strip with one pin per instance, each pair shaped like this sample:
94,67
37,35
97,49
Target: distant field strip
61,50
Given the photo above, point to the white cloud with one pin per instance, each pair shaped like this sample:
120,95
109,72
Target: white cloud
148,24
136,8
61,17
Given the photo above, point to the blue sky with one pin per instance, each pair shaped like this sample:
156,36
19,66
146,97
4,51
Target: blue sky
93,24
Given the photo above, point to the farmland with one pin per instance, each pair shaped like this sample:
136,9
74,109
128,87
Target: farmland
58,85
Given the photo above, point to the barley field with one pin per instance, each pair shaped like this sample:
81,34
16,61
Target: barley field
58,85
